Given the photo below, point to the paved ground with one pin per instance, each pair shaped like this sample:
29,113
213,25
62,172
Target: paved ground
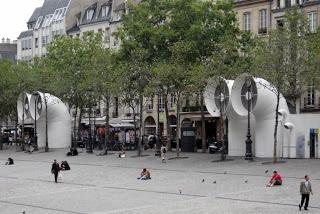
107,184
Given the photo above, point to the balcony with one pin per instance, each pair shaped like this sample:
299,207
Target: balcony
193,108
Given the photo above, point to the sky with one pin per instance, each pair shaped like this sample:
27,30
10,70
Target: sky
14,15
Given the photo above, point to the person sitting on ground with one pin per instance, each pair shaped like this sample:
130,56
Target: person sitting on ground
145,175
122,154
73,152
9,161
64,165
275,180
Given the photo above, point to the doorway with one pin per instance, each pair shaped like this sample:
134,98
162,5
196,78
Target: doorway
313,142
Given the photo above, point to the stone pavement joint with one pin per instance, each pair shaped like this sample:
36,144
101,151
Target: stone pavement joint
262,202
41,207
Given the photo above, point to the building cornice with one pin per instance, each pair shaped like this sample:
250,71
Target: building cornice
249,2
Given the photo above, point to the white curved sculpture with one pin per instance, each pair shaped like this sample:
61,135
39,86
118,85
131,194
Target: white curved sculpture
236,123
263,105
23,106
58,120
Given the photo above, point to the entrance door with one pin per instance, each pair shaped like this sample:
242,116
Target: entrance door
312,143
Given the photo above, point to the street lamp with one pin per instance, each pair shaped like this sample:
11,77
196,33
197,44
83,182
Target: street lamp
89,146
248,155
35,137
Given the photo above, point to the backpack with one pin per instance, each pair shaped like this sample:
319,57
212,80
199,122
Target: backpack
164,150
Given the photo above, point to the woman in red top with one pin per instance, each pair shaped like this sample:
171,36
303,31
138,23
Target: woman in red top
275,180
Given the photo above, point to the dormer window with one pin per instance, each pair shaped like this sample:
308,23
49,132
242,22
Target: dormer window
104,11
90,14
39,20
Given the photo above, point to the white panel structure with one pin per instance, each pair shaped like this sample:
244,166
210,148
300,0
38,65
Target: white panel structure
263,105
58,120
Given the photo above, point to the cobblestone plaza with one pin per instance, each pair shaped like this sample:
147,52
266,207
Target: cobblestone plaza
108,184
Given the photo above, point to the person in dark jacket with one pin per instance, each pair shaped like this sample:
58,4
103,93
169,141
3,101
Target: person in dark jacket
55,170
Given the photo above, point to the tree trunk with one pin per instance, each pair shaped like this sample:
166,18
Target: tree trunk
165,98
203,126
107,123
276,129
75,127
79,121
178,125
135,131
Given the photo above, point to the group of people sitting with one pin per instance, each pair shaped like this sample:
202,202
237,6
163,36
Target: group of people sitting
64,165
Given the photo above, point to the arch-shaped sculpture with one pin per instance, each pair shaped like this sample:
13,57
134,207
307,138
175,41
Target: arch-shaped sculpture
264,99
217,97
23,106
58,120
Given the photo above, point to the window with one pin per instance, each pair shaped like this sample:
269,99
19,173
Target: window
312,20
104,11
172,101
161,103
45,40
311,96
22,44
278,4
149,104
36,42
63,12
56,14
90,14
107,35
246,22
39,20
263,21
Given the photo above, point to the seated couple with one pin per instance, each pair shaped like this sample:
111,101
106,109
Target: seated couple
145,175
275,180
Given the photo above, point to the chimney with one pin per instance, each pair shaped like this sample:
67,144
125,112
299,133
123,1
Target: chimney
8,40
3,40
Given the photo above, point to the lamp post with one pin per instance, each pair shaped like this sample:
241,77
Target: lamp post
35,137
248,155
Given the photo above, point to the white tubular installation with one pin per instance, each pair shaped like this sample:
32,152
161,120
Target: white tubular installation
236,123
263,105
59,120
290,151
23,106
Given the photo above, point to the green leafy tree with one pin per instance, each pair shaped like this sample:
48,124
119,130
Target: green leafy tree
72,64
281,60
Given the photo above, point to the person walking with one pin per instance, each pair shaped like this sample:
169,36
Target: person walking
305,190
55,170
163,152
